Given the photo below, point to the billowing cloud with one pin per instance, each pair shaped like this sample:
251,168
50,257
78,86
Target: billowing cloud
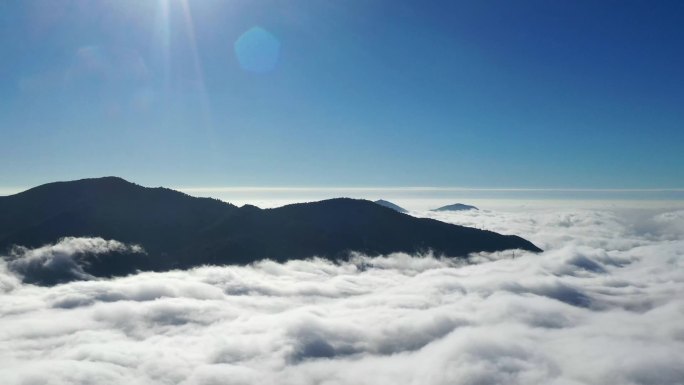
603,304
66,260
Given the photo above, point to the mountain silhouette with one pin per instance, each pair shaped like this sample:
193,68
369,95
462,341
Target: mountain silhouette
391,205
456,207
180,231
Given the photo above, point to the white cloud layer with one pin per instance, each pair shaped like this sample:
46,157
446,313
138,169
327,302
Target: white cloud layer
602,305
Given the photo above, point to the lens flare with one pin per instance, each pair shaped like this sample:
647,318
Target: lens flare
257,50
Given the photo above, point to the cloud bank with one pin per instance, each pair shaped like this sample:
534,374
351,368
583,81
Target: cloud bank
67,260
603,304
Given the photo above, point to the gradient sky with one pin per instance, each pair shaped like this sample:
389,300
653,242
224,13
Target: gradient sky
557,94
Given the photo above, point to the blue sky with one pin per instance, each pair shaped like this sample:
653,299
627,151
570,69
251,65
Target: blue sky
525,94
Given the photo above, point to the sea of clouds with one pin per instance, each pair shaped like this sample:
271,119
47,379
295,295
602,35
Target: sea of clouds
604,304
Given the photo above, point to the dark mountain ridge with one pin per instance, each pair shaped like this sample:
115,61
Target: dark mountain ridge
180,231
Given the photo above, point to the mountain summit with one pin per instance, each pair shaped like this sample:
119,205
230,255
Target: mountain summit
391,205
180,231
456,207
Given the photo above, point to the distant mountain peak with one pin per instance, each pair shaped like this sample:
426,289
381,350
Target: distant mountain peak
391,205
456,207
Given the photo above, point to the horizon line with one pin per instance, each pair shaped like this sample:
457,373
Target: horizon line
416,189
237,189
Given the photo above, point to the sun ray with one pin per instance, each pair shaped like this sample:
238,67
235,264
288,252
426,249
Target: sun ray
165,38
207,119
